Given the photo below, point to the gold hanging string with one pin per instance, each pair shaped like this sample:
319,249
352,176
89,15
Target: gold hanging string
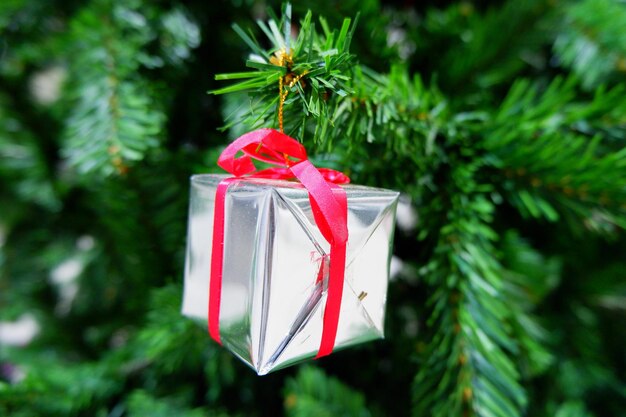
284,59
281,104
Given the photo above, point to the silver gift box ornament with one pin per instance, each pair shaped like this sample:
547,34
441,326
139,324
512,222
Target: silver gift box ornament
272,304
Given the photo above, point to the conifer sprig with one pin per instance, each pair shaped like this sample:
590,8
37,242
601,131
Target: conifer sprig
114,120
592,41
542,176
314,69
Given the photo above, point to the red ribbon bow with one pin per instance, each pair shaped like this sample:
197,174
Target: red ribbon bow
328,201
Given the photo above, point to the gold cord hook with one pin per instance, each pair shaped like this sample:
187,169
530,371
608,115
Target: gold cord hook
282,58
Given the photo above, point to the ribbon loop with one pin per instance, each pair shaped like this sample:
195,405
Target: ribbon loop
267,145
328,203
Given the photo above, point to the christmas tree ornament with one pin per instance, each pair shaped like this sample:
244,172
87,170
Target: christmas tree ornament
286,263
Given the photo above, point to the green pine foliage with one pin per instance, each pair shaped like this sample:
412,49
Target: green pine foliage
23,166
504,126
592,42
313,393
114,118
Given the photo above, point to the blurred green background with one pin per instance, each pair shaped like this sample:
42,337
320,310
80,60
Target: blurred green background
506,136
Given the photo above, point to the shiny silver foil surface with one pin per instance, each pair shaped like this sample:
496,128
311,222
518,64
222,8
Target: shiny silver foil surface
272,304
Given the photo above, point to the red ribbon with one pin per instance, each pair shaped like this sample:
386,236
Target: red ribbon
328,202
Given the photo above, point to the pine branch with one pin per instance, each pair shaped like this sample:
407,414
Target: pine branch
46,247
585,177
466,366
479,58
314,68
57,385
114,121
592,42
136,216
154,355
157,344
142,404
573,409
180,35
313,394
336,101
48,393
528,279
23,168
